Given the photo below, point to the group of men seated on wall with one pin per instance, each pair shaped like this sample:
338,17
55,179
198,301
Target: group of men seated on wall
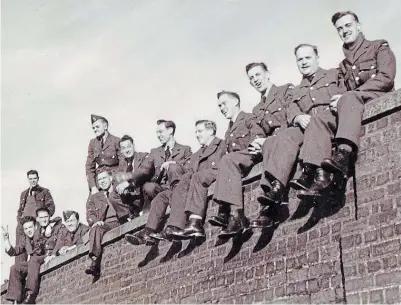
289,125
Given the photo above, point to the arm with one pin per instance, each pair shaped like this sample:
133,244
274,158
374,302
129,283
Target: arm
386,69
91,216
21,205
49,203
187,156
90,167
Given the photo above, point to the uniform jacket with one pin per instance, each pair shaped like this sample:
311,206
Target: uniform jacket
56,224
157,156
207,158
312,97
140,166
97,204
98,158
34,246
238,136
368,66
270,113
43,200
66,238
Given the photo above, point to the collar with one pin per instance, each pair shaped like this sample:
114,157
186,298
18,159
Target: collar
209,141
234,118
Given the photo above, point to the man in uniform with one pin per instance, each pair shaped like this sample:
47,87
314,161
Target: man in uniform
104,211
195,203
280,153
103,151
270,115
34,246
368,71
200,173
133,161
30,200
70,234
165,165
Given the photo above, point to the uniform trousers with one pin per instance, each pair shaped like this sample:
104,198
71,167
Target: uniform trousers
96,236
19,237
21,270
344,126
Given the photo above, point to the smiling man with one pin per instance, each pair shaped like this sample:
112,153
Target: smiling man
103,151
31,199
368,71
280,153
269,116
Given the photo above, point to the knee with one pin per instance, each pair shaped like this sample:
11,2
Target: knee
352,100
226,160
175,168
14,268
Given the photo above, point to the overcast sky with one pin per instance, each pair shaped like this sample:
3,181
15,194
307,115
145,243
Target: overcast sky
138,61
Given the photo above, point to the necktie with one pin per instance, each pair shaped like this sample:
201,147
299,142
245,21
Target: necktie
231,124
130,168
204,149
168,153
102,142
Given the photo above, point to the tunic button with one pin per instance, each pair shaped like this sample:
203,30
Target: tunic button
233,144
313,98
372,67
311,88
353,67
357,79
267,111
231,135
102,159
373,76
279,109
270,122
327,85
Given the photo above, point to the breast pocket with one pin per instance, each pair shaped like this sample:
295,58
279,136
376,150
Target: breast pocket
242,138
367,70
301,101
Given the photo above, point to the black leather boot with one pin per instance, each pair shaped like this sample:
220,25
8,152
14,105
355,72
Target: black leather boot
30,299
305,181
193,229
221,220
274,195
94,267
237,224
340,162
321,185
263,220
166,234
141,238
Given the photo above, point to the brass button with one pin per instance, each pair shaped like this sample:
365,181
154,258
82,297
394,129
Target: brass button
373,76
231,135
311,88
372,67
357,79
313,98
353,67
267,111
279,109
270,122
233,144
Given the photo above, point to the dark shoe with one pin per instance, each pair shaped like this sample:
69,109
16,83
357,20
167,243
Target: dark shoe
263,221
274,195
221,220
94,268
30,299
305,181
141,238
193,229
166,234
340,162
320,186
236,225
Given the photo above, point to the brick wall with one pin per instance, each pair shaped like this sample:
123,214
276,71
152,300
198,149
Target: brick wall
320,254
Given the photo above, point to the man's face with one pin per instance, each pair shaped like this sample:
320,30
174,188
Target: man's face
348,28
72,223
29,228
127,148
104,180
203,134
43,218
227,105
259,78
33,180
163,133
99,128
307,61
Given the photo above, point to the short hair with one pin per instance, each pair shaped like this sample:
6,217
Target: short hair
42,209
208,125
26,219
341,14
167,123
68,213
256,64
231,93
126,138
306,45
32,172
103,170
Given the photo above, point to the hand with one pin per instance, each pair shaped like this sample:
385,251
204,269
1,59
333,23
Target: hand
49,258
302,120
48,230
98,223
4,232
256,146
166,164
121,187
334,101
94,190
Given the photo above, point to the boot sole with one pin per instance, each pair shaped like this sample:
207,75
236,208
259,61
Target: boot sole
329,166
217,224
297,186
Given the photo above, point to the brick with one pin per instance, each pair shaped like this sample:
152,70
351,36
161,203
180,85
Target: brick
374,266
356,284
386,232
353,298
393,295
370,236
376,296
388,278
279,291
392,246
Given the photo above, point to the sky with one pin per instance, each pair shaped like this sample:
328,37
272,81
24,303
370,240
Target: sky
136,61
